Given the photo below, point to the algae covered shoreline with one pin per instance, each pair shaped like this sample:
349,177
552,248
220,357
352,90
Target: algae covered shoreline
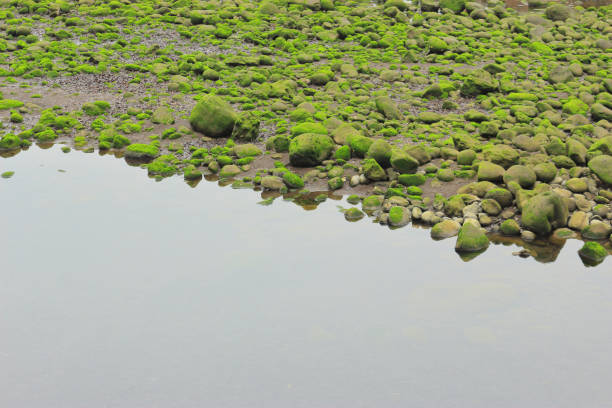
466,117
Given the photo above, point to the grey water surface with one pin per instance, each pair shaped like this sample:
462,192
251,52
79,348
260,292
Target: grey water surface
119,291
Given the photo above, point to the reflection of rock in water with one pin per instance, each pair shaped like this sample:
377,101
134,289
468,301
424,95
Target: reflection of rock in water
135,162
9,153
309,200
468,256
541,250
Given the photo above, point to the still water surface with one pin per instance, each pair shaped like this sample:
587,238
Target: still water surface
119,291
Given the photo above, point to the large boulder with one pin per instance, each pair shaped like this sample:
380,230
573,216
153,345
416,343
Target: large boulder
544,212
602,166
310,149
213,117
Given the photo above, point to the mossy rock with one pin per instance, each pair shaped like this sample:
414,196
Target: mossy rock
602,167
545,172
488,171
523,175
544,212
372,203
308,127
388,108
466,157
278,143
491,207
503,155
592,253
142,151
213,117
353,214
229,171
402,162
310,149
510,228
293,180
411,179
246,150
373,171
380,150
445,229
597,231
335,183
359,144
246,127
471,239
399,216
500,195
343,153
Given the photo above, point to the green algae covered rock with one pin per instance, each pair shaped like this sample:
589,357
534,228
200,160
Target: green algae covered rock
380,150
488,171
510,228
213,117
310,149
501,195
353,214
402,162
246,127
445,229
523,175
387,108
142,151
372,203
373,171
479,82
602,167
598,112
359,144
592,253
544,212
411,179
229,171
455,6
246,150
399,216
471,238
293,180
557,12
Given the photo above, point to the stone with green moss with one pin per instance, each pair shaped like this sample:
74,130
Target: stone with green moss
510,228
592,253
380,150
293,180
213,117
471,238
310,149
399,216
602,167
544,212
445,229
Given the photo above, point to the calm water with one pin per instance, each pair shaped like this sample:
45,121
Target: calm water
119,291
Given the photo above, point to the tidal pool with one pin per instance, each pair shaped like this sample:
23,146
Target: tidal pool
119,291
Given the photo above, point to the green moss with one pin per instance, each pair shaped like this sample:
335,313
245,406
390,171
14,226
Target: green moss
293,180
142,151
10,104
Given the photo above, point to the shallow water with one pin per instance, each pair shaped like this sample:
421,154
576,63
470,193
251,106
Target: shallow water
119,291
